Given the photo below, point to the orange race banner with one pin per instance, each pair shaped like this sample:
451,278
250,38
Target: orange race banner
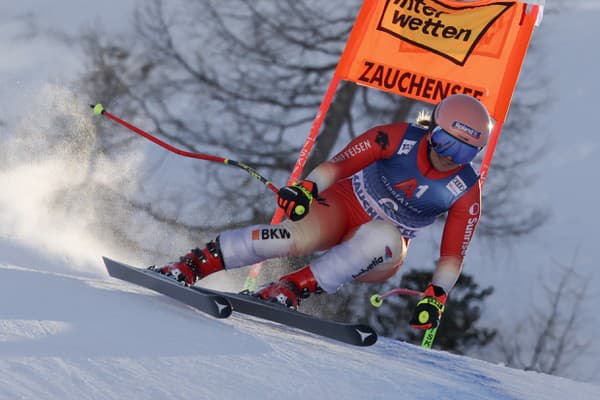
429,49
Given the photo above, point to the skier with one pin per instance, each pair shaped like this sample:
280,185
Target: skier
366,204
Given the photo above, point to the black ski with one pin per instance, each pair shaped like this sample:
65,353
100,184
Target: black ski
219,304
210,303
355,334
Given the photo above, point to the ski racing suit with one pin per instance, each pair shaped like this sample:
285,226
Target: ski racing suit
375,195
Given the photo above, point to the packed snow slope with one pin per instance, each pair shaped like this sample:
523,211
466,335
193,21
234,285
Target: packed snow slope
68,331
68,335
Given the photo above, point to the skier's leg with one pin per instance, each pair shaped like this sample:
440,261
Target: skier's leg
323,227
373,253
384,271
319,230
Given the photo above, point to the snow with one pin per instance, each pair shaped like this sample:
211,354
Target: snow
64,336
68,331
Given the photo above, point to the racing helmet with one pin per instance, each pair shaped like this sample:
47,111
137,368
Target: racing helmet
461,126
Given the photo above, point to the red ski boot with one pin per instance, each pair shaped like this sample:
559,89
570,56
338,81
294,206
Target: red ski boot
290,288
195,265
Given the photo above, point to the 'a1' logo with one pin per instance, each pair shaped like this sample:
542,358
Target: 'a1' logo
410,186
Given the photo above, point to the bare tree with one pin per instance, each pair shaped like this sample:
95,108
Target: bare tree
548,340
243,79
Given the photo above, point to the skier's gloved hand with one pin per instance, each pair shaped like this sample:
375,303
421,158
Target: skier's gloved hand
428,311
296,199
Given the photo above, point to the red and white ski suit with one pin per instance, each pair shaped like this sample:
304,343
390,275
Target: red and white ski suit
377,193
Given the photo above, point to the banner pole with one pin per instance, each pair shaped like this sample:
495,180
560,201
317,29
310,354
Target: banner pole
250,283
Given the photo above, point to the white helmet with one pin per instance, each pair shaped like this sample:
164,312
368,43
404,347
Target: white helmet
461,127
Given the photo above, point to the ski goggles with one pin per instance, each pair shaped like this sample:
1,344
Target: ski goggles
444,144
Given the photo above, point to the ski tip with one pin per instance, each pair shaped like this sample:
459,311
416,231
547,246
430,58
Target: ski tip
107,260
111,265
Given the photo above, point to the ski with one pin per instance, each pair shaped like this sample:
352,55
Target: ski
212,304
208,299
354,334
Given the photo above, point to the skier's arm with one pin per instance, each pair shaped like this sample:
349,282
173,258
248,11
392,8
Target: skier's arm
460,226
375,144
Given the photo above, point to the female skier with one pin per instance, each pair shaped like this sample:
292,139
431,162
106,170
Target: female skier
371,200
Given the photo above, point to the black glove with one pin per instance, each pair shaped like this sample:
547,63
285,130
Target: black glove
296,199
428,311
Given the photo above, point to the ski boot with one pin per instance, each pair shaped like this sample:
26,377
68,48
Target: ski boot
195,265
290,288
428,311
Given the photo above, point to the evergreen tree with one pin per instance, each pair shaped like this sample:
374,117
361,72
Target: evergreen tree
458,331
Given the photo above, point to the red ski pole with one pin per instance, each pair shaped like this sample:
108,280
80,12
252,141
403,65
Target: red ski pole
99,110
377,299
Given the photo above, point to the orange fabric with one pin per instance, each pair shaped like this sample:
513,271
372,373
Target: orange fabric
429,49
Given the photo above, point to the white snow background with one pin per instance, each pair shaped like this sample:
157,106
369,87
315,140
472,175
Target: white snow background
67,331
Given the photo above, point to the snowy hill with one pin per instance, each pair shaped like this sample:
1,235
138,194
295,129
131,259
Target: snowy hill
65,335
68,331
